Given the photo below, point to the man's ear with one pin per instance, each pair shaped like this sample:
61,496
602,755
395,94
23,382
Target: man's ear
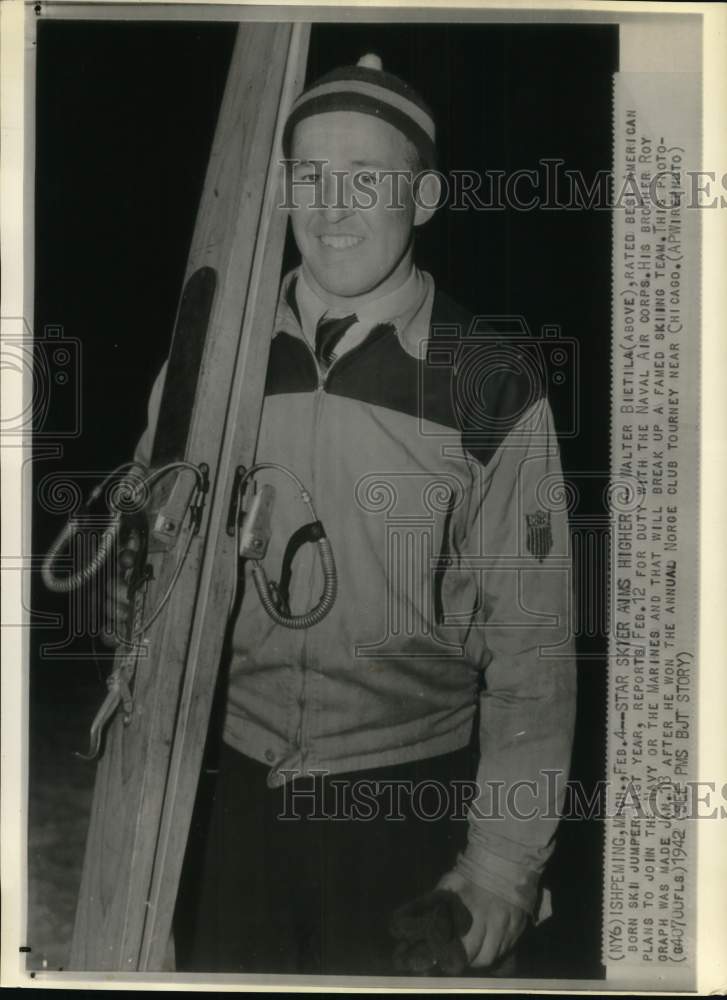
427,192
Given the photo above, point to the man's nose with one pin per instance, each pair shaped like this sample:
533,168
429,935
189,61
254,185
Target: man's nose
337,195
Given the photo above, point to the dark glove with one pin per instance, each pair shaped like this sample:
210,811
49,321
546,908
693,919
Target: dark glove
428,932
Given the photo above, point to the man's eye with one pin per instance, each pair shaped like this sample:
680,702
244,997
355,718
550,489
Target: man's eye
368,177
307,177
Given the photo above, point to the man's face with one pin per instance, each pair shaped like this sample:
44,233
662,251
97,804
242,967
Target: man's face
350,250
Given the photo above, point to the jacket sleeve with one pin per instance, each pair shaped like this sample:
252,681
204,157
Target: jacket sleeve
517,536
143,450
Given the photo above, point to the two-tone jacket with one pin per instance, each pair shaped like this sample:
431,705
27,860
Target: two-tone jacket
431,456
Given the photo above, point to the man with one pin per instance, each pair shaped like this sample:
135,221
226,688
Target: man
430,470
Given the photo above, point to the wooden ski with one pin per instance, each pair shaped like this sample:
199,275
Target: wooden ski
147,777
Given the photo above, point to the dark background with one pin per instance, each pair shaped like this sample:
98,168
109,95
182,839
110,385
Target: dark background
125,118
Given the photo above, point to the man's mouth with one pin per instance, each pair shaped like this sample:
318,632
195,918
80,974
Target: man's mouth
342,242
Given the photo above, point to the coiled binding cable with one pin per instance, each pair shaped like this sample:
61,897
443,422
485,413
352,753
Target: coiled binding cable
133,490
268,592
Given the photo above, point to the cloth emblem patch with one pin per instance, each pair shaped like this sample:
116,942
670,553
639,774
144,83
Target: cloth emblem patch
539,534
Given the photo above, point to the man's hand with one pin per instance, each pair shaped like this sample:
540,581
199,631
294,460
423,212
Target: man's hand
117,607
496,923
455,926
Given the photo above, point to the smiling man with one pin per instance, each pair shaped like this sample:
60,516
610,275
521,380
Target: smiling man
353,223
443,675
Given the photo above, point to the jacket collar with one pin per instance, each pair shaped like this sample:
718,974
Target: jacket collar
409,309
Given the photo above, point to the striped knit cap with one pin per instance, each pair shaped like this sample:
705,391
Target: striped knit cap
366,88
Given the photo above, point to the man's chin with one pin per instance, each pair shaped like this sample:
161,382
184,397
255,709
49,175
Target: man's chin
348,286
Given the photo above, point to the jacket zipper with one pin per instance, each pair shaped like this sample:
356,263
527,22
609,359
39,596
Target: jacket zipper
303,727
323,379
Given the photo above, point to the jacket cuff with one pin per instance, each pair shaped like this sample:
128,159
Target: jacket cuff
507,879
